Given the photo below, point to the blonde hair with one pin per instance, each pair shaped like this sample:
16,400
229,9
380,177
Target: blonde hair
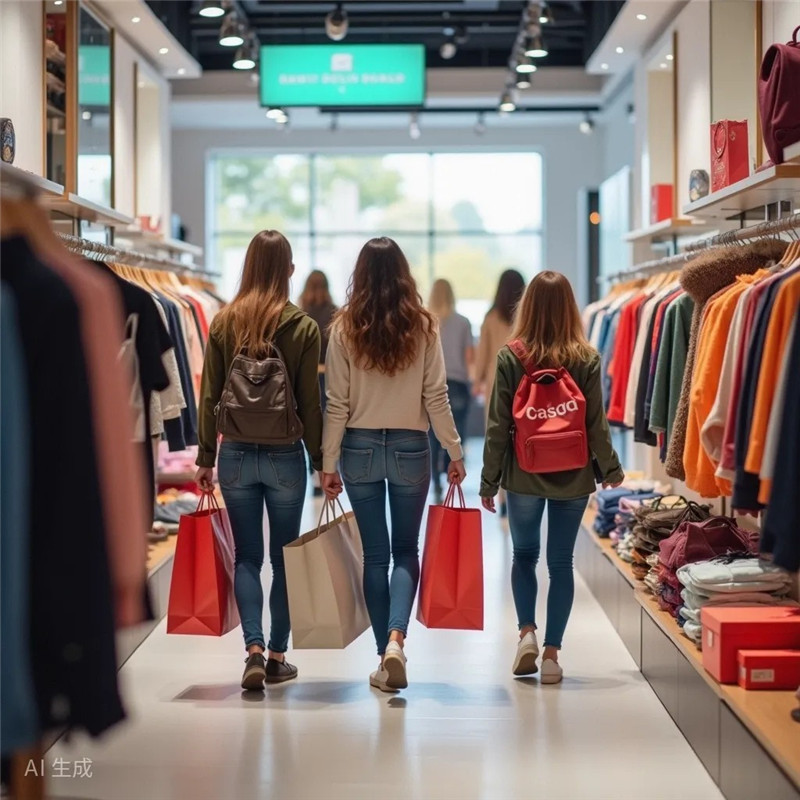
548,323
253,315
443,300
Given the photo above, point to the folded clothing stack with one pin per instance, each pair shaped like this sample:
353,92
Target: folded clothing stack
695,541
729,581
607,504
655,523
170,507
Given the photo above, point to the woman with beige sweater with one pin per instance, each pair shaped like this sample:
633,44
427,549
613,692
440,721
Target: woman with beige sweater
385,380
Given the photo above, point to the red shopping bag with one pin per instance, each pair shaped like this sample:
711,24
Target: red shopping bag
451,586
201,599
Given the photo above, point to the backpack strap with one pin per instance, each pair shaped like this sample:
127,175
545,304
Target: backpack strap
518,349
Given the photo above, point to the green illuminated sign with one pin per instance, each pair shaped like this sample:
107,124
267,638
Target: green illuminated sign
342,75
94,75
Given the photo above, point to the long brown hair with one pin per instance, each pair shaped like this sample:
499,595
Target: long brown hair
443,299
509,290
316,292
253,315
549,323
384,320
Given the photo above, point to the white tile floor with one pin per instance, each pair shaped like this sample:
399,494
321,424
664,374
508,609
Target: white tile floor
464,729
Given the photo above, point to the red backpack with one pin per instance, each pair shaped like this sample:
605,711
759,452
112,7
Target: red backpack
549,412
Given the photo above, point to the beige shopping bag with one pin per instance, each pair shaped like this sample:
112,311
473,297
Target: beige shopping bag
324,574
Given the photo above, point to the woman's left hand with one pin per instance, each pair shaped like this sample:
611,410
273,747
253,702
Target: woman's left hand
331,485
488,504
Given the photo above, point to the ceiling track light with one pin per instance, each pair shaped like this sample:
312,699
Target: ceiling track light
461,35
480,125
231,34
535,46
525,66
586,126
449,48
211,9
523,81
247,54
546,15
276,113
413,126
507,103
337,23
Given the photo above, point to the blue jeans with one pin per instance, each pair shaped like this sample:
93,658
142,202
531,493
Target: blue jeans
525,513
373,460
459,394
250,476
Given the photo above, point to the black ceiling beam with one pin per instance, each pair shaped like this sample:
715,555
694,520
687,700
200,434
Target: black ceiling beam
573,109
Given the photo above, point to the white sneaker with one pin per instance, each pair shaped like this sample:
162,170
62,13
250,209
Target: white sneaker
378,680
527,653
394,663
551,671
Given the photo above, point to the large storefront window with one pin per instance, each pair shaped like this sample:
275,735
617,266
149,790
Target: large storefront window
461,216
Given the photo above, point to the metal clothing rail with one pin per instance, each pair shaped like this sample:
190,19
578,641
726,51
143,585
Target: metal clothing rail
763,230
132,257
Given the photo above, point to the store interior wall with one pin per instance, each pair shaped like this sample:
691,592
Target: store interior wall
124,127
22,78
572,161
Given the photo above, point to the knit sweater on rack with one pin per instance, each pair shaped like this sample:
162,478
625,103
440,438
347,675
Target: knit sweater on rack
702,278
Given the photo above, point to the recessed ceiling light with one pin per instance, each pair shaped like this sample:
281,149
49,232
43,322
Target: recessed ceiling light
135,20
620,50
604,66
182,71
641,17
663,65
163,51
58,3
670,57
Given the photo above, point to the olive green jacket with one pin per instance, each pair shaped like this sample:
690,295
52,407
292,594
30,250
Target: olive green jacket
298,338
500,467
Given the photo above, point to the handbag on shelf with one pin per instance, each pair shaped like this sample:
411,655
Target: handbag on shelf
324,582
201,598
451,584
730,155
779,97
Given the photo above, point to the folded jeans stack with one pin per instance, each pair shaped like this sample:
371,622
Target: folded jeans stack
729,581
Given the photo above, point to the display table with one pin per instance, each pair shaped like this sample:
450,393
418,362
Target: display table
747,740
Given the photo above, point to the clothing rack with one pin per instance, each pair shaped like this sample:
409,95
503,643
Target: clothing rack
763,230
106,251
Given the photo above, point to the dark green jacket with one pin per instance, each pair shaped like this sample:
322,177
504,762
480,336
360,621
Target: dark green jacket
298,339
500,467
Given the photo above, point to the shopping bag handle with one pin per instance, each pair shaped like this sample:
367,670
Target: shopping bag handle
329,510
450,497
208,502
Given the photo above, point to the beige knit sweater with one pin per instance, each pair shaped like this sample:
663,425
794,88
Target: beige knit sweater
359,398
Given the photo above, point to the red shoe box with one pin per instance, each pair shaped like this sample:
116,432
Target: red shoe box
769,669
660,202
728,630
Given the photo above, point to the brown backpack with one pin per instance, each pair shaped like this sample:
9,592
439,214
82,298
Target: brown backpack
257,403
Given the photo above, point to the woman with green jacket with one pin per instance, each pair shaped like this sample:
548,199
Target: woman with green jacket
548,325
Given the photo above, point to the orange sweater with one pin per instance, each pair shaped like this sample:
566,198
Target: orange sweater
780,324
705,382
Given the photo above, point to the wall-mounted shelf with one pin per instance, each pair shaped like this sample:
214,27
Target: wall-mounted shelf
669,229
792,153
157,240
772,185
9,174
79,208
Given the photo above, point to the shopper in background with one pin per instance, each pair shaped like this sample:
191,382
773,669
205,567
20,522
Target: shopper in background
316,301
386,378
495,333
254,474
455,332
548,324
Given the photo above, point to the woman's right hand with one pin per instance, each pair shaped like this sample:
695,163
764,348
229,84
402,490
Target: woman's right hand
456,472
204,478
331,485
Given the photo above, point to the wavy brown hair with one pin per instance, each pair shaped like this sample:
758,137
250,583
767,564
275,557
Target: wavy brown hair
253,315
316,292
548,323
509,291
384,320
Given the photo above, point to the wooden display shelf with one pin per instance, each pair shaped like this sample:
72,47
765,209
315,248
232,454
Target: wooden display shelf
9,174
608,549
669,229
159,552
772,185
792,153
77,207
764,713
